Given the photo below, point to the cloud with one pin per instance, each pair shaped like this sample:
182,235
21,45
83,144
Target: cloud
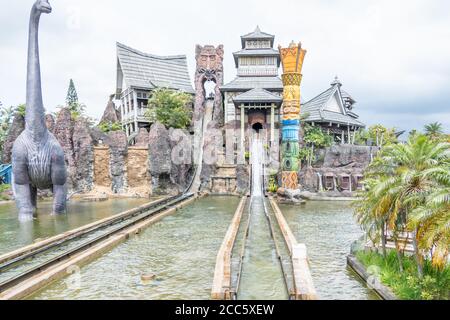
392,56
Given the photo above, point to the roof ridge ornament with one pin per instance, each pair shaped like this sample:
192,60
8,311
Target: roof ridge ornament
336,81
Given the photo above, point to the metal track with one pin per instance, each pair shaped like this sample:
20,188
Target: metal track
277,249
110,227
235,290
31,254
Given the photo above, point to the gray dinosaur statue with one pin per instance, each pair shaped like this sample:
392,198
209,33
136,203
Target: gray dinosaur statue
37,157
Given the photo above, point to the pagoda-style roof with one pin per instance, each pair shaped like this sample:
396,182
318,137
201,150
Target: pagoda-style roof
147,71
266,52
257,95
248,83
329,106
257,34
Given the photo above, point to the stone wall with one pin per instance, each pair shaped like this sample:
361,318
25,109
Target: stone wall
101,167
138,177
120,172
335,164
101,162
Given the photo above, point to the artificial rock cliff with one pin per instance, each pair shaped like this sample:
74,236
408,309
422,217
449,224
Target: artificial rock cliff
17,126
96,161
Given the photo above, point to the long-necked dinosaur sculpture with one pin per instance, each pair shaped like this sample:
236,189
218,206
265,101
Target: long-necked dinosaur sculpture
37,157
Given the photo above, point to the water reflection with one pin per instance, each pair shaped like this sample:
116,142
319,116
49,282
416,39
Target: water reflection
328,230
179,253
15,234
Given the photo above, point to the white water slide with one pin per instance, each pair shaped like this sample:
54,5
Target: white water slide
199,140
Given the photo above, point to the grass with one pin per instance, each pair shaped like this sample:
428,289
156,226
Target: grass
3,188
435,284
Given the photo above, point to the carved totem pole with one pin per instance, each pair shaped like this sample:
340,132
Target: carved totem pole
37,157
209,68
292,60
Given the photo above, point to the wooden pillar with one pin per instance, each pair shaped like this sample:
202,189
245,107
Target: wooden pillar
122,99
342,137
128,108
135,111
272,123
242,129
348,134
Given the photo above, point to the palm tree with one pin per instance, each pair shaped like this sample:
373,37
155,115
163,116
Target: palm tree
407,192
432,218
434,129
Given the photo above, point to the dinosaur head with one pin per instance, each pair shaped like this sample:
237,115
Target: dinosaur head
42,6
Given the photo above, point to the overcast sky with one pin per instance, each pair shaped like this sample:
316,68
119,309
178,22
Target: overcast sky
393,57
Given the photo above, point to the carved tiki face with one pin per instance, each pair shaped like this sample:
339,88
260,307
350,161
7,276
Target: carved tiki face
209,57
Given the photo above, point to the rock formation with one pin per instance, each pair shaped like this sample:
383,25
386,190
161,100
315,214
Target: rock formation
338,161
111,114
142,139
160,164
118,153
83,150
63,132
242,176
181,155
212,150
17,126
50,122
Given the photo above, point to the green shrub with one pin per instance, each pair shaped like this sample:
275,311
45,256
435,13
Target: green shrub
435,284
170,107
109,126
273,185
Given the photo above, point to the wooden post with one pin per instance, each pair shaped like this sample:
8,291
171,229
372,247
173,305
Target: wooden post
135,111
242,129
348,134
127,113
122,99
272,123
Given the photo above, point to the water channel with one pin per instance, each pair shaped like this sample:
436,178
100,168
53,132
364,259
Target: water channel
262,277
180,251
15,234
328,230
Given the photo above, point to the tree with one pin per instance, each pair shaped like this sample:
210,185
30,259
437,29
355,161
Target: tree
109,126
75,107
72,96
314,138
170,107
407,189
378,134
434,130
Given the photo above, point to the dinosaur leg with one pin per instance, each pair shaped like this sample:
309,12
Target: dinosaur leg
59,177
33,196
22,183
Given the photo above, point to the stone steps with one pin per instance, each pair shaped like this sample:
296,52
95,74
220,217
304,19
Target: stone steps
226,171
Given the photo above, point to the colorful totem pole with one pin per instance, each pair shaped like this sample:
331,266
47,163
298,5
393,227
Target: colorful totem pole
292,60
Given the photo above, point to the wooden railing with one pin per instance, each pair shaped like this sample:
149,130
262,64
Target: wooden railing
303,283
222,273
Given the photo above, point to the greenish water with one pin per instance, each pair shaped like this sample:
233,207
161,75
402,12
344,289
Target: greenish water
262,277
15,234
179,250
328,230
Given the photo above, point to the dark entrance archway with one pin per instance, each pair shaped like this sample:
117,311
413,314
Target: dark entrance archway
257,126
